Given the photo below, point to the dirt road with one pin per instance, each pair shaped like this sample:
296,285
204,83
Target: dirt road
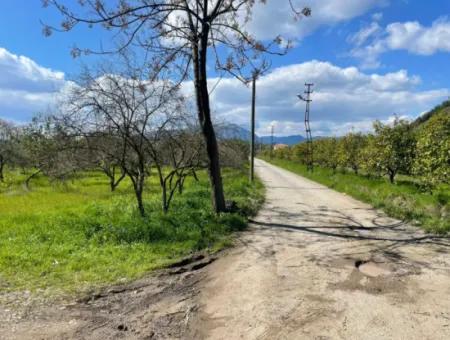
315,264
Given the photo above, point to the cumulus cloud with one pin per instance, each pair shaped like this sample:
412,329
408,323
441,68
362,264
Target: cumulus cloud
324,13
410,36
25,86
418,39
344,98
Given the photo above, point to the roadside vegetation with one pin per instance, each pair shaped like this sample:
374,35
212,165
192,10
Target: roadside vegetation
114,180
402,168
113,184
77,234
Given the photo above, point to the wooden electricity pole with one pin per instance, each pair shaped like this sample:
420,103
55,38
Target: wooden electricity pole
309,141
252,138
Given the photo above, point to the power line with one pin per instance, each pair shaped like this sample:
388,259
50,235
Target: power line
309,145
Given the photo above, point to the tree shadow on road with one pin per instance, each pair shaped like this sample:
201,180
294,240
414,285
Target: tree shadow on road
371,236
434,239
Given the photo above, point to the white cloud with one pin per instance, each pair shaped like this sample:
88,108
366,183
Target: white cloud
26,87
364,34
415,38
410,36
324,13
343,98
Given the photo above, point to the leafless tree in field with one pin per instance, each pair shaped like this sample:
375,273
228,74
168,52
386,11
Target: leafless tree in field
179,36
106,153
46,149
177,153
120,104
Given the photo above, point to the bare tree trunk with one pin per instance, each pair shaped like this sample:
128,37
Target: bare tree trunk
391,176
2,166
181,185
140,202
164,200
115,183
252,138
194,174
163,185
204,115
112,179
138,190
138,186
28,180
165,205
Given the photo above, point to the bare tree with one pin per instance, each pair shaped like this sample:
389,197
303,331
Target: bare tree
118,104
180,150
107,153
179,36
47,150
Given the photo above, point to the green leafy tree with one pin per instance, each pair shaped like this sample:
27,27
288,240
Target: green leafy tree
298,152
369,163
283,153
391,149
350,151
325,153
433,149
320,152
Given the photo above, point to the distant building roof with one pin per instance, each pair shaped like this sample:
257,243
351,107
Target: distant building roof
280,146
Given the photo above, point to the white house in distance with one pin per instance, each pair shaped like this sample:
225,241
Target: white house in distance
280,146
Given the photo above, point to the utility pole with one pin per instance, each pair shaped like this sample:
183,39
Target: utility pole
258,70
309,148
271,141
252,138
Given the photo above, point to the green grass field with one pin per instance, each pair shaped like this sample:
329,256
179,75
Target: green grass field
404,200
78,235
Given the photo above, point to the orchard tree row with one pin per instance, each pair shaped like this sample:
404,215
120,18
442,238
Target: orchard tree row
422,151
118,123
181,40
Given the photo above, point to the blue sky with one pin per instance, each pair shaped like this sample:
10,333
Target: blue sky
368,58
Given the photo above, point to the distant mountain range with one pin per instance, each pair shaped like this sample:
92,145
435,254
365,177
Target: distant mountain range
233,131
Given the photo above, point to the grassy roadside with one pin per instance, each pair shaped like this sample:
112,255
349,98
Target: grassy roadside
403,200
67,238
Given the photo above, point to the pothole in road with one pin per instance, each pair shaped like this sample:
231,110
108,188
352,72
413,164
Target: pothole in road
372,269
